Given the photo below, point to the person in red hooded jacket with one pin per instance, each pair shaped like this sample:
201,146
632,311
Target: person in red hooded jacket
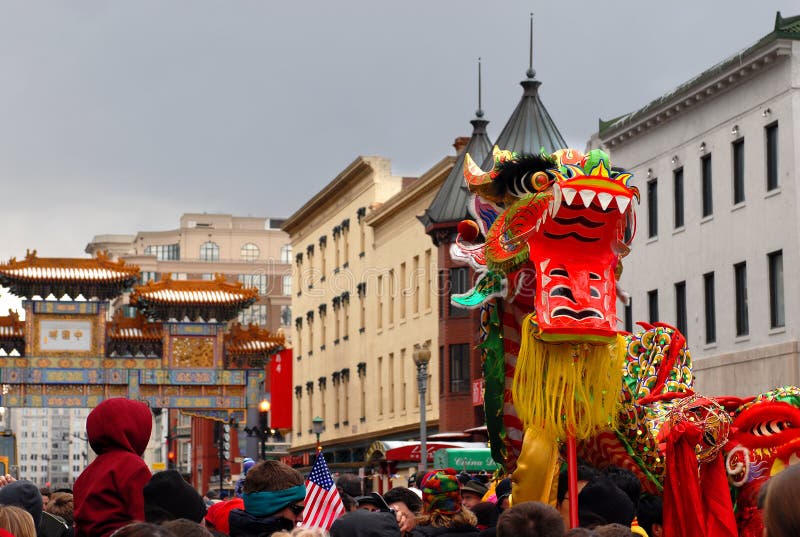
108,493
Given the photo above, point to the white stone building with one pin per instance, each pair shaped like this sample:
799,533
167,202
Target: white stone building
716,162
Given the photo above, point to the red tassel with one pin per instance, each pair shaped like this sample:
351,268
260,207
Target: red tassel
696,504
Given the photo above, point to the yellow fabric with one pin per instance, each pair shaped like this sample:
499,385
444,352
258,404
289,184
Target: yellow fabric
537,469
567,386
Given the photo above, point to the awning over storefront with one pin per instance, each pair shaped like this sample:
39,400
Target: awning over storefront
409,451
469,460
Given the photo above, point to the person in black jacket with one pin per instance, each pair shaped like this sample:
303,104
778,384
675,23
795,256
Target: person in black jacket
274,499
443,515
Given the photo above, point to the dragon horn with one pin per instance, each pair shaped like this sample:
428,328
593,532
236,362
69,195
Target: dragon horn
473,174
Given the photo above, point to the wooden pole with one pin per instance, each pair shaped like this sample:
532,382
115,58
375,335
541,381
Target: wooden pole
572,480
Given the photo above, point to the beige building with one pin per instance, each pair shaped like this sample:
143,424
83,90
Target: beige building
251,250
364,295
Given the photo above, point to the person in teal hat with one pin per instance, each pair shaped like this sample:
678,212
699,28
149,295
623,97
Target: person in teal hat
274,499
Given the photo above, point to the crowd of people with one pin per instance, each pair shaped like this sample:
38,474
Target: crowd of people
118,496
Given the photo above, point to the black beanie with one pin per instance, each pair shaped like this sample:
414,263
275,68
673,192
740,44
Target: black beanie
169,497
603,501
23,494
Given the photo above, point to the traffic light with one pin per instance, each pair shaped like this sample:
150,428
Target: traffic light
171,460
225,441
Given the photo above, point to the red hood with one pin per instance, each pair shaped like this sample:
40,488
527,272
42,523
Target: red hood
119,424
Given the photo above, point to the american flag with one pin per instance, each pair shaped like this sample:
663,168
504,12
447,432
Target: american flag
323,504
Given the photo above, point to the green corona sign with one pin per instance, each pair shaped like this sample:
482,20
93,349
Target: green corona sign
464,459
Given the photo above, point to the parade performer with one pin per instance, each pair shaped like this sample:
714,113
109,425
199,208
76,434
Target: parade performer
555,233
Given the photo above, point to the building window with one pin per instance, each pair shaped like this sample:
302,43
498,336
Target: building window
459,368
677,177
346,382
428,275
323,328
287,285
771,135
164,252
402,290
740,281
652,306
362,376
148,276
652,208
286,316
362,233
345,245
255,314
392,295
381,292
259,281
391,383
209,251
323,245
415,275
286,254
403,387
705,172
738,171
777,317
459,283
710,308
380,385
680,309
249,252
362,313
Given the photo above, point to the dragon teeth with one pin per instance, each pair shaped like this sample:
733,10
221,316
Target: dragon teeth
587,196
622,203
604,198
556,198
569,194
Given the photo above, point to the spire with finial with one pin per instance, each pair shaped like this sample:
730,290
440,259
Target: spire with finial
530,72
530,129
479,111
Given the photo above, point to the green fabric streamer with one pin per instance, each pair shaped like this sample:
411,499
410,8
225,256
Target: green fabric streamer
494,387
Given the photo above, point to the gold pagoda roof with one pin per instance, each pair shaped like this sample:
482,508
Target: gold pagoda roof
91,277
11,326
253,339
194,300
217,291
99,268
134,328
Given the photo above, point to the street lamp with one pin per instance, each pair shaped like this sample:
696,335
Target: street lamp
317,426
263,422
422,355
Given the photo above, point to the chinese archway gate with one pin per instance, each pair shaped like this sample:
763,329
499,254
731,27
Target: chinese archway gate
178,351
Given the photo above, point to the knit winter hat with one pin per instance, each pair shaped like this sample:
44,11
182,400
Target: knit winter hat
23,494
169,497
441,492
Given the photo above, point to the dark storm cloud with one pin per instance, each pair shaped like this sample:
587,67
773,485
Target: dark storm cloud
119,116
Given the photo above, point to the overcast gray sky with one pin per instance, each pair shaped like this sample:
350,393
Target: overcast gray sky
119,116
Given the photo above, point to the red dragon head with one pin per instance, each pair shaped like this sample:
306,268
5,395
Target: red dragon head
562,221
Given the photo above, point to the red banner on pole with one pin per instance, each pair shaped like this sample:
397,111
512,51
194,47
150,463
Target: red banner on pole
280,388
477,391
